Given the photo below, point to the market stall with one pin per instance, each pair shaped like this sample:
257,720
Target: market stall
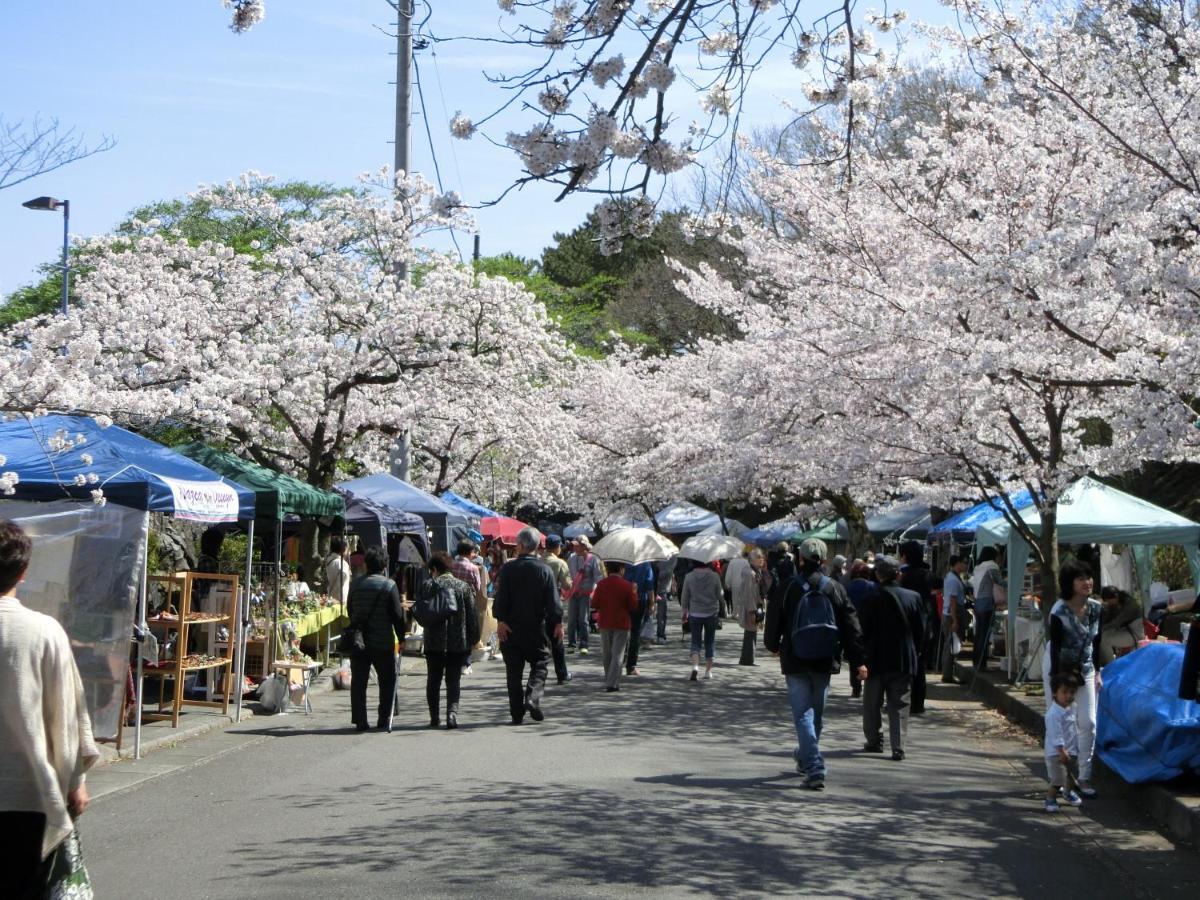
470,507
1092,512
376,524
444,524
277,617
682,517
90,559
960,528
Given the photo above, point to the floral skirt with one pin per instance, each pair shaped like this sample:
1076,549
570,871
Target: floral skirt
67,875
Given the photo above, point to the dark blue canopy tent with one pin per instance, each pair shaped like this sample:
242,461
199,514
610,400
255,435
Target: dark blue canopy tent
961,527
373,522
470,507
446,523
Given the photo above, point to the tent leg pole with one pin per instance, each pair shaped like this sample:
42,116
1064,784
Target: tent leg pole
240,624
278,587
141,618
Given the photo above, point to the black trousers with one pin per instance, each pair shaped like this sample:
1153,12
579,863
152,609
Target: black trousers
449,665
749,639
384,663
25,874
516,658
635,635
558,651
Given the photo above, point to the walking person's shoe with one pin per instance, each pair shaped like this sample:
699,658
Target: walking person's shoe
535,712
695,676
434,722
708,674
872,748
1073,798
634,671
566,678
897,755
815,782
583,651
570,648
611,690
468,670
1051,805
1087,791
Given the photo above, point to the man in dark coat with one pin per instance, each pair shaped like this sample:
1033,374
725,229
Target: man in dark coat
526,607
374,606
916,576
892,623
808,678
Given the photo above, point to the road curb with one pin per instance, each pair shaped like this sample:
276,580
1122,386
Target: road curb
1178,816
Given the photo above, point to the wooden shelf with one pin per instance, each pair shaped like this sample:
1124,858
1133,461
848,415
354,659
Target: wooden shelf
176,592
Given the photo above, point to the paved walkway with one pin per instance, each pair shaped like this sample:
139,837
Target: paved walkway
668,787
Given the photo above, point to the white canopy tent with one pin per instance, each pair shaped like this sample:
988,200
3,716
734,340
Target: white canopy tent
1092,512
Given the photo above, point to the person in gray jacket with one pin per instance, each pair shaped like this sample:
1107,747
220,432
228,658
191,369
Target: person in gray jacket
893,626
702,596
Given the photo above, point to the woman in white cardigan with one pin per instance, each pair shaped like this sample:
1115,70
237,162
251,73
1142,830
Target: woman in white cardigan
45,739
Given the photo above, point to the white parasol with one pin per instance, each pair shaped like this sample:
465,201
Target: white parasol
707,547
634,545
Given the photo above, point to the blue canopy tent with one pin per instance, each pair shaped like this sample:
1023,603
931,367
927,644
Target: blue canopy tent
471,508
961,526
445,522
373,522
771,534
64,458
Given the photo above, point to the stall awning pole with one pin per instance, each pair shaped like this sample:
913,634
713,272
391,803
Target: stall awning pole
242,621
141,620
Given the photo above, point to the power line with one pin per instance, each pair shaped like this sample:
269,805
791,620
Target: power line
437,169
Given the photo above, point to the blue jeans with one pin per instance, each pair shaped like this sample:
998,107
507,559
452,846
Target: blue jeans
708,626
577,621
807,693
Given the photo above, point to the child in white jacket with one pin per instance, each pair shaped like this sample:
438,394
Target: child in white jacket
1062,739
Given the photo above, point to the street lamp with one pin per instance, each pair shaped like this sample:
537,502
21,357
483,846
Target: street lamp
51,204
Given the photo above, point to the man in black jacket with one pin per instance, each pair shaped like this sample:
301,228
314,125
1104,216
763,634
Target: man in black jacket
892,625
808,678
528,614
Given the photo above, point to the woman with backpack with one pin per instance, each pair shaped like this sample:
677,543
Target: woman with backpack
448,641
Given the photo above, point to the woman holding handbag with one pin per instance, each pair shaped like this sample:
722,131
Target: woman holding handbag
376,626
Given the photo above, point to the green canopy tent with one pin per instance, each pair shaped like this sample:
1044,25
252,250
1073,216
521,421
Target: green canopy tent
276,496
1090,512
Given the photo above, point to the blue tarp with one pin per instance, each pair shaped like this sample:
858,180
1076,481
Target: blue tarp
468,506
962,526
131,470
1144,731
770,535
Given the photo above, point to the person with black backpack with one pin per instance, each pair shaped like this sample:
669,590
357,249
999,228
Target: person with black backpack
893,627
809,625
446,609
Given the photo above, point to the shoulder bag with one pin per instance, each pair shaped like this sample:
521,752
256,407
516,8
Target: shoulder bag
353,641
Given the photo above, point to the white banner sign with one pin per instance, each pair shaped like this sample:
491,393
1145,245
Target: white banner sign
203,501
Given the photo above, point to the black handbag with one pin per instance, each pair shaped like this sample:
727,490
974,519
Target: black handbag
353,640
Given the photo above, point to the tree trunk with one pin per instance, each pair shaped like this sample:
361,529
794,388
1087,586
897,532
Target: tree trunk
1048,564
846,507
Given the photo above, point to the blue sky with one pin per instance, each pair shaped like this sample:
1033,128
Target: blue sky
305,95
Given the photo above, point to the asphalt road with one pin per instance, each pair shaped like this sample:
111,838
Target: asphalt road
668,788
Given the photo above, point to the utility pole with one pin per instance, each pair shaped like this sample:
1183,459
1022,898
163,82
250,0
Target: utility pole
475,252
404,58
400,461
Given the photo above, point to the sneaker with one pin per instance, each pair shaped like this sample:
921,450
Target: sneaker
815,782
1073,798
583,651
565,678
872,748
1087,791
897,755
1051,805
571,648
468,671
535,712
708,674
695,676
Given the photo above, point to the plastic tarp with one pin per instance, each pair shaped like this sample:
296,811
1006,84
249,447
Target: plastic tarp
373,522
732,526
447,523
962,525
275,494
1144,731
86,565
827,531
771,534
470,507
131,470
900,522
